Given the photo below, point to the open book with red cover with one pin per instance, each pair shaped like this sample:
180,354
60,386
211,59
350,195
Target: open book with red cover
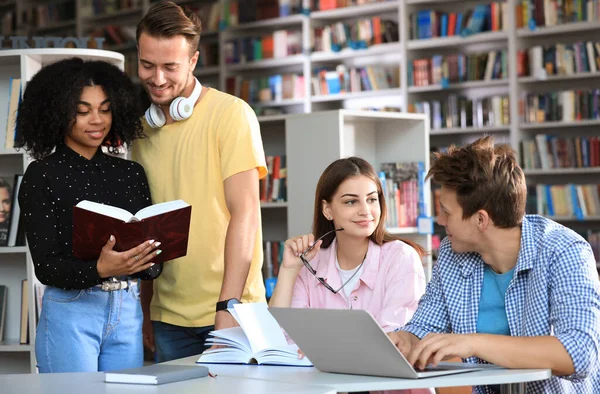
167,223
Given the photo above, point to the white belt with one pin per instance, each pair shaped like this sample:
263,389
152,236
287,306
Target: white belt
113,285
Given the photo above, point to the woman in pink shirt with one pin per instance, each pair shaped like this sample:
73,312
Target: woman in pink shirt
355,263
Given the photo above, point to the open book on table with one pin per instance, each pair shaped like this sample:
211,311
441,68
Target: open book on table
258,340
167,223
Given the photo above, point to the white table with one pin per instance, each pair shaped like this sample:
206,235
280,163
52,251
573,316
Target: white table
510,379
93,383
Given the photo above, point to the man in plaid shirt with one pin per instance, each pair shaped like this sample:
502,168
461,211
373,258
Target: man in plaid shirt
515,290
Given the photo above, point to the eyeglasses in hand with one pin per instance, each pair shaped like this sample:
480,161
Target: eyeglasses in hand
314,272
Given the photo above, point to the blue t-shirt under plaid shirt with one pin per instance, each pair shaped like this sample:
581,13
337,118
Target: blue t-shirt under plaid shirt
554,291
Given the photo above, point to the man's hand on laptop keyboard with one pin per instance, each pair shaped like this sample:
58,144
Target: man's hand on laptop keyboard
434,348
404,341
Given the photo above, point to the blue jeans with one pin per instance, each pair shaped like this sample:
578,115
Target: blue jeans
173,342
90,330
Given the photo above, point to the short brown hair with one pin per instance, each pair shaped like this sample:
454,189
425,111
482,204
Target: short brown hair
166,19
485,177
333,176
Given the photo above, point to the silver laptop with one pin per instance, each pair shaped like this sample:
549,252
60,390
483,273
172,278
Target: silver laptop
352,342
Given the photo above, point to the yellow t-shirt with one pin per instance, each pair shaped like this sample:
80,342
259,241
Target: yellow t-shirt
190,160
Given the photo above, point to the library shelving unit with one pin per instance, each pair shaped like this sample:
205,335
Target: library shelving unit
509,38
315,140
15,262
274,214
540,83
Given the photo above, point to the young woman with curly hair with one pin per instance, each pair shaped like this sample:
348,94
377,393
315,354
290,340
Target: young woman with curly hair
91,316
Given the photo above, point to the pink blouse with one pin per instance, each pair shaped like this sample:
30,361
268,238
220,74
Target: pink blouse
390,286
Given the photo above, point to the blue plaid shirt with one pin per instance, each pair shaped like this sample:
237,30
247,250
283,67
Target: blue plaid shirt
555,291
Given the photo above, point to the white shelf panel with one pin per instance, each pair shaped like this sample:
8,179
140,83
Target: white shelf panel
559,29
274,204
267,63
355,11
206,71
461,85
13,345
286,21
470,130
13,249
113,15
452,41
356,95
9,152
282,103
559,124
271,118
50,55
403,230
347,53
556,78
563,171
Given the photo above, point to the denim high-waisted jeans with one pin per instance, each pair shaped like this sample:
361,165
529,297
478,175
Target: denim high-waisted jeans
90,330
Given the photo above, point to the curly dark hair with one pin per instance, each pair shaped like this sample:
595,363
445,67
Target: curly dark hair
48,109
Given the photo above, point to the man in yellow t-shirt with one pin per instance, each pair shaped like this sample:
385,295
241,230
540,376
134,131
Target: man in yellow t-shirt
212,159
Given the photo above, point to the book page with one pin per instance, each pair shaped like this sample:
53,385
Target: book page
237,350
260,326
283,356
162,207
233,336
106,210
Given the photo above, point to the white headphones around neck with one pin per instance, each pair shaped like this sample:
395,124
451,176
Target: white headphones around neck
180,109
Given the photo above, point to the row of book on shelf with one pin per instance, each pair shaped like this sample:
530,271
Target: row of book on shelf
559,59
403,185
463,112
273,257
115,35
14,98
278,44
12,232
425,24
235,12
356,34
569,200
549,151
325,81
344,79
458,68
273,187
539,13
24,309
46,14
565,105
